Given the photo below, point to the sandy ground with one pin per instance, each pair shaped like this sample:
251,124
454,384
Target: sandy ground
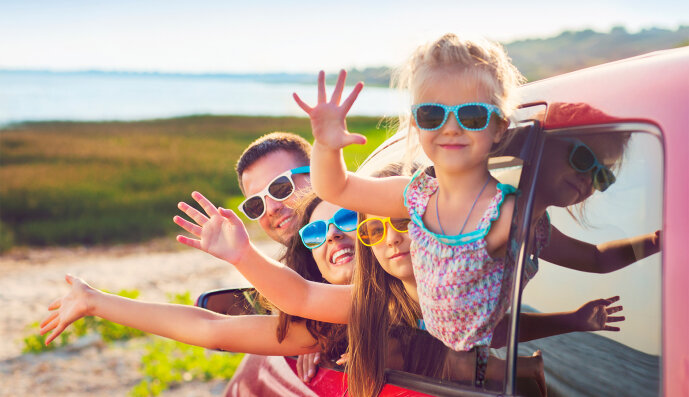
31,279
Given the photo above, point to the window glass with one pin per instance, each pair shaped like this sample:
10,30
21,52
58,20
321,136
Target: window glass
606,190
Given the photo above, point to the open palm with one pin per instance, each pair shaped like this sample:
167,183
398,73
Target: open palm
221,233
596,315
328,117
66,310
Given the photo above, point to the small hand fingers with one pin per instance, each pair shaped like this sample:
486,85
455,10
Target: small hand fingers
188,226
614,319
49,326
339,87
347,104
55,304
613,299
609,328
302,104
192,213
55,333
230,216
205,204
321,87
48,319
355,139
611,310
189,241
317,358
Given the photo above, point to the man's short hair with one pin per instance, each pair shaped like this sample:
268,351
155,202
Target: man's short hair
273,142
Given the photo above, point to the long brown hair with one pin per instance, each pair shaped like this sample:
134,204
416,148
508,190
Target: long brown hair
379,301
330,337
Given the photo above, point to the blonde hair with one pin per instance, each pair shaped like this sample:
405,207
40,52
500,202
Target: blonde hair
485,61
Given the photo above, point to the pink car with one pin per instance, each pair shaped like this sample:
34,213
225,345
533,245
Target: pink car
606,151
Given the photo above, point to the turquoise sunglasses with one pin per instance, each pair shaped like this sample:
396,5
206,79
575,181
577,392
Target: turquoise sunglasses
474,116
314,234
583,160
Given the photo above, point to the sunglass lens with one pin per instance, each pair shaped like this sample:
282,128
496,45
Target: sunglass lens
372,231
582,158
429,116
603,178
345,220
253,207
400,224
313,234
281,188
473,116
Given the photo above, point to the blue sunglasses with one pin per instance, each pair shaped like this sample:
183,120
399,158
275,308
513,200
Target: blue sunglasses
474,116
314,234
583,160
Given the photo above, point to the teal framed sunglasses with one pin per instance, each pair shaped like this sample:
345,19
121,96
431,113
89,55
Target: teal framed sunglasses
314,234
583,160
473,116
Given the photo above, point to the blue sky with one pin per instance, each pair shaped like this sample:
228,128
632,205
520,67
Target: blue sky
304,36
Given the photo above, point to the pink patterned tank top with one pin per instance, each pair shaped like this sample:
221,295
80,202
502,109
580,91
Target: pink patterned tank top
459,284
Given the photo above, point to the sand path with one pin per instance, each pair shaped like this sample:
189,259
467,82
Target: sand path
30,280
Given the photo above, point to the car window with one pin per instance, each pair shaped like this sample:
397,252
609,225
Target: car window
623,166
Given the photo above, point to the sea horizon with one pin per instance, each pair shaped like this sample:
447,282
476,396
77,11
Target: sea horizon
97,95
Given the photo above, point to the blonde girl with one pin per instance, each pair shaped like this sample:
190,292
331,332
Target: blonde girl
462,96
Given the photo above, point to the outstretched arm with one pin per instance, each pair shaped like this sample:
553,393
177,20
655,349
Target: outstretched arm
222,234
329,176
602,258
594,315
187,324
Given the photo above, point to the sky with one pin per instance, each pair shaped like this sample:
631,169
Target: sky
285,36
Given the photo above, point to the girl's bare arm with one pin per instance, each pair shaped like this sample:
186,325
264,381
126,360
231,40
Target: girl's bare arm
599,258
222,234
187,324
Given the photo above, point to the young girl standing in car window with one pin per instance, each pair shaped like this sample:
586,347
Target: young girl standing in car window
461,92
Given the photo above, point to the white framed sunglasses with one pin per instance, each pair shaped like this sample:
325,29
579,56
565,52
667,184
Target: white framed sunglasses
279,189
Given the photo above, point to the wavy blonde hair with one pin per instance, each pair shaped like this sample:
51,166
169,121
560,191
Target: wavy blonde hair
485,61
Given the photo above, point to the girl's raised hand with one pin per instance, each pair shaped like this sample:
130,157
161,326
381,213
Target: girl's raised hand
596,314
328,118
221,233
68,309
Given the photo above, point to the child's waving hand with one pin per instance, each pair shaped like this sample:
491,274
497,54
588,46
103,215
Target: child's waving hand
66,310
328,118
221,233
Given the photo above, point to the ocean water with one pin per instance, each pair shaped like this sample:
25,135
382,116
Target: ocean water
33,96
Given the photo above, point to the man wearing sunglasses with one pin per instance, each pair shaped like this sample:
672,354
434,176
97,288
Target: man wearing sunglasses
269,172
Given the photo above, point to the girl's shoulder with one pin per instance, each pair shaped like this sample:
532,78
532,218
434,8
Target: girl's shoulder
500,218
421,186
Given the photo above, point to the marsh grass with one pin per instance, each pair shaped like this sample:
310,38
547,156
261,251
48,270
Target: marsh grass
64,183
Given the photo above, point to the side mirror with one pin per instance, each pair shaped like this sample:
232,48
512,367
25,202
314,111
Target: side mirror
234,302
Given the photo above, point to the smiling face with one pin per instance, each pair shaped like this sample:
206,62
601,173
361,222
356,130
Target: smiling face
278,221
335,257
451,148
559,184
393,253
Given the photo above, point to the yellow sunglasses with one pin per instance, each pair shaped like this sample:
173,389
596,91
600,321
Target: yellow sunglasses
373,230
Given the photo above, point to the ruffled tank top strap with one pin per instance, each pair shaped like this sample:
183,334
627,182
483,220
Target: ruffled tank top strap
493,211
418,192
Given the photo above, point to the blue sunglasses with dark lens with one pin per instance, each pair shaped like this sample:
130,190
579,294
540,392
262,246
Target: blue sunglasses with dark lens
583,160
474,116
314,234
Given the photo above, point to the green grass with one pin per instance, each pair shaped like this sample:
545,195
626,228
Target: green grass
166,362
64,183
